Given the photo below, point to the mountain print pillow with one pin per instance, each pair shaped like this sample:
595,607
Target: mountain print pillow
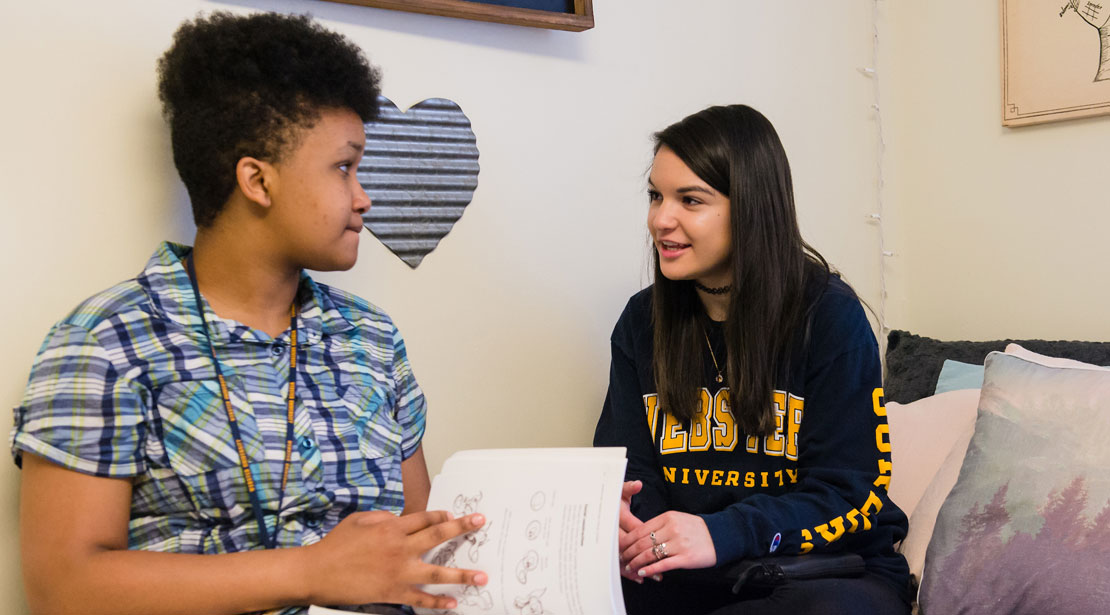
1026,529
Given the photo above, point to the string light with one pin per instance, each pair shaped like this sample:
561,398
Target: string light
876,218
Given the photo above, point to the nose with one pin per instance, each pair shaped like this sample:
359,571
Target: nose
661,216
361,201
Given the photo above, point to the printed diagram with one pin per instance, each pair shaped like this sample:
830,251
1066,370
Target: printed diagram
476,539
476,597
464,505
533,530
445,555
527,564
1097,16
537,501
530,604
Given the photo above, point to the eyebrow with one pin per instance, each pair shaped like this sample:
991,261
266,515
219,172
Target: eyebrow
686,189
355,146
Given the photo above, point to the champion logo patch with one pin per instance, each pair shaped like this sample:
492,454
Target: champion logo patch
775,543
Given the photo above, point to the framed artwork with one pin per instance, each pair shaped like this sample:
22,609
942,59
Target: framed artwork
1055,60
572,15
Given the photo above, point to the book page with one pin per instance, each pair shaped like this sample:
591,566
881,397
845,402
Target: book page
549,542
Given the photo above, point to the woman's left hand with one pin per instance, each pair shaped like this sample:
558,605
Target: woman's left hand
670,541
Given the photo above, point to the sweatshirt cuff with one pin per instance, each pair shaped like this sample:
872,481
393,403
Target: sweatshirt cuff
727,540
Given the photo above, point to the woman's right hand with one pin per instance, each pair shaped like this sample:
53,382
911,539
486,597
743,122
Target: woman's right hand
376,557
629,522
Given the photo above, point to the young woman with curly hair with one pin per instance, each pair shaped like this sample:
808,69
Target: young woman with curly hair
221,434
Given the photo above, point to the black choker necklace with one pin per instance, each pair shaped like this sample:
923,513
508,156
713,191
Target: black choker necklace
712,291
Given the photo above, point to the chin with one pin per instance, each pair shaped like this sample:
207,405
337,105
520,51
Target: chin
678,275
334,263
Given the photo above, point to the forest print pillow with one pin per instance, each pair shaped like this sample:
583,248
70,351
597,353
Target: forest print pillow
1026,529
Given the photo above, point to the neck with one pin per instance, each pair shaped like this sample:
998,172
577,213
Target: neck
240,283
716,306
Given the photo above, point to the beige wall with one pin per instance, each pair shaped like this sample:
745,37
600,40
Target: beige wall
1000,232
508,320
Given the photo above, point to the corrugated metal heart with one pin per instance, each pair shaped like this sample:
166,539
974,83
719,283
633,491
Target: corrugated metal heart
420,168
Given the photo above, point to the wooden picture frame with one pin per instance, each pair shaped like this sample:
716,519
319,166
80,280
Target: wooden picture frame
581,19
1055,61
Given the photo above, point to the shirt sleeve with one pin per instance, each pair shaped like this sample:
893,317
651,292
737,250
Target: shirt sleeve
78,410
624,421
843,465
411,407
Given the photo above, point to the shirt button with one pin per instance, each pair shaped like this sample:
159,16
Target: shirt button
312,521
306,443
277,348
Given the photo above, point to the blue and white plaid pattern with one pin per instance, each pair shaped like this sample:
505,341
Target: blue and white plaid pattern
124,387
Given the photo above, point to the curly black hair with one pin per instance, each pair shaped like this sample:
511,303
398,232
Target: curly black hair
246,85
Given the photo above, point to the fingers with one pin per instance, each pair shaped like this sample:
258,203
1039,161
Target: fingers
438,533
631,488
417,598
640,535
655,567
628,521
415,522
431,574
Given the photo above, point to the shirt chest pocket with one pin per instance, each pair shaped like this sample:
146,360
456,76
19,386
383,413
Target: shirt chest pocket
355,424
196,442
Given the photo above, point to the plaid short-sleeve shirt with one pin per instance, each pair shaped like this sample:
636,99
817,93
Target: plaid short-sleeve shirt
124,387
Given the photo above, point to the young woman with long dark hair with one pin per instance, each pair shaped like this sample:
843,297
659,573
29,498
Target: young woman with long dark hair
746,386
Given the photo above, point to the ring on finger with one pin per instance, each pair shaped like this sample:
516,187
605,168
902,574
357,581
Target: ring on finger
653,541
659,551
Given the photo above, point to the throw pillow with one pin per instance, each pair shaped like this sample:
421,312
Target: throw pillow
928,439
955,376
1018,351
921,434
1026,528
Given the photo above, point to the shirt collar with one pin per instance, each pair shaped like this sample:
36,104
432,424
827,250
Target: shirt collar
171,297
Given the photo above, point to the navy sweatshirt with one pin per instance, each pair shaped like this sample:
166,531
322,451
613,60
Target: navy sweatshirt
818,483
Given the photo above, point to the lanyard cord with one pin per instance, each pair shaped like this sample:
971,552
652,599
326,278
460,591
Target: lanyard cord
268,539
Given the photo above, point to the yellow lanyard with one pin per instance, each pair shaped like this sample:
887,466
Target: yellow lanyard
268,539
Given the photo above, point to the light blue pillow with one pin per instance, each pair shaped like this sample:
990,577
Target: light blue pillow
955,376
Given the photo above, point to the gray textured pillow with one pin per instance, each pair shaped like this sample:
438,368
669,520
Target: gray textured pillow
913,362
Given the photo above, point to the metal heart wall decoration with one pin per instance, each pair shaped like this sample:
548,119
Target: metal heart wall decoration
420,168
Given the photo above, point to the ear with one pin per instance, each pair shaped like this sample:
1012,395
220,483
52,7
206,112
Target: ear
254,178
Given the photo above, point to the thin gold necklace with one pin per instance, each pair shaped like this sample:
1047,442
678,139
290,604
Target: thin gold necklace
720,378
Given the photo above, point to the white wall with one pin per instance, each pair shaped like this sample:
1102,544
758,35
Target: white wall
1000,232
507,322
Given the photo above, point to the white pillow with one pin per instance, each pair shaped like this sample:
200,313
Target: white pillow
921,435
1041,359
924,517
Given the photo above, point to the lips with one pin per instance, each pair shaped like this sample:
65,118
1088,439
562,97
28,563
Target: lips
671,249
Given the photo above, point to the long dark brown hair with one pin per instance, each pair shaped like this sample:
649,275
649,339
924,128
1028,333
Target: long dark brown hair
736,150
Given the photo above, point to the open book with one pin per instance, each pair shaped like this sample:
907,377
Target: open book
549,545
